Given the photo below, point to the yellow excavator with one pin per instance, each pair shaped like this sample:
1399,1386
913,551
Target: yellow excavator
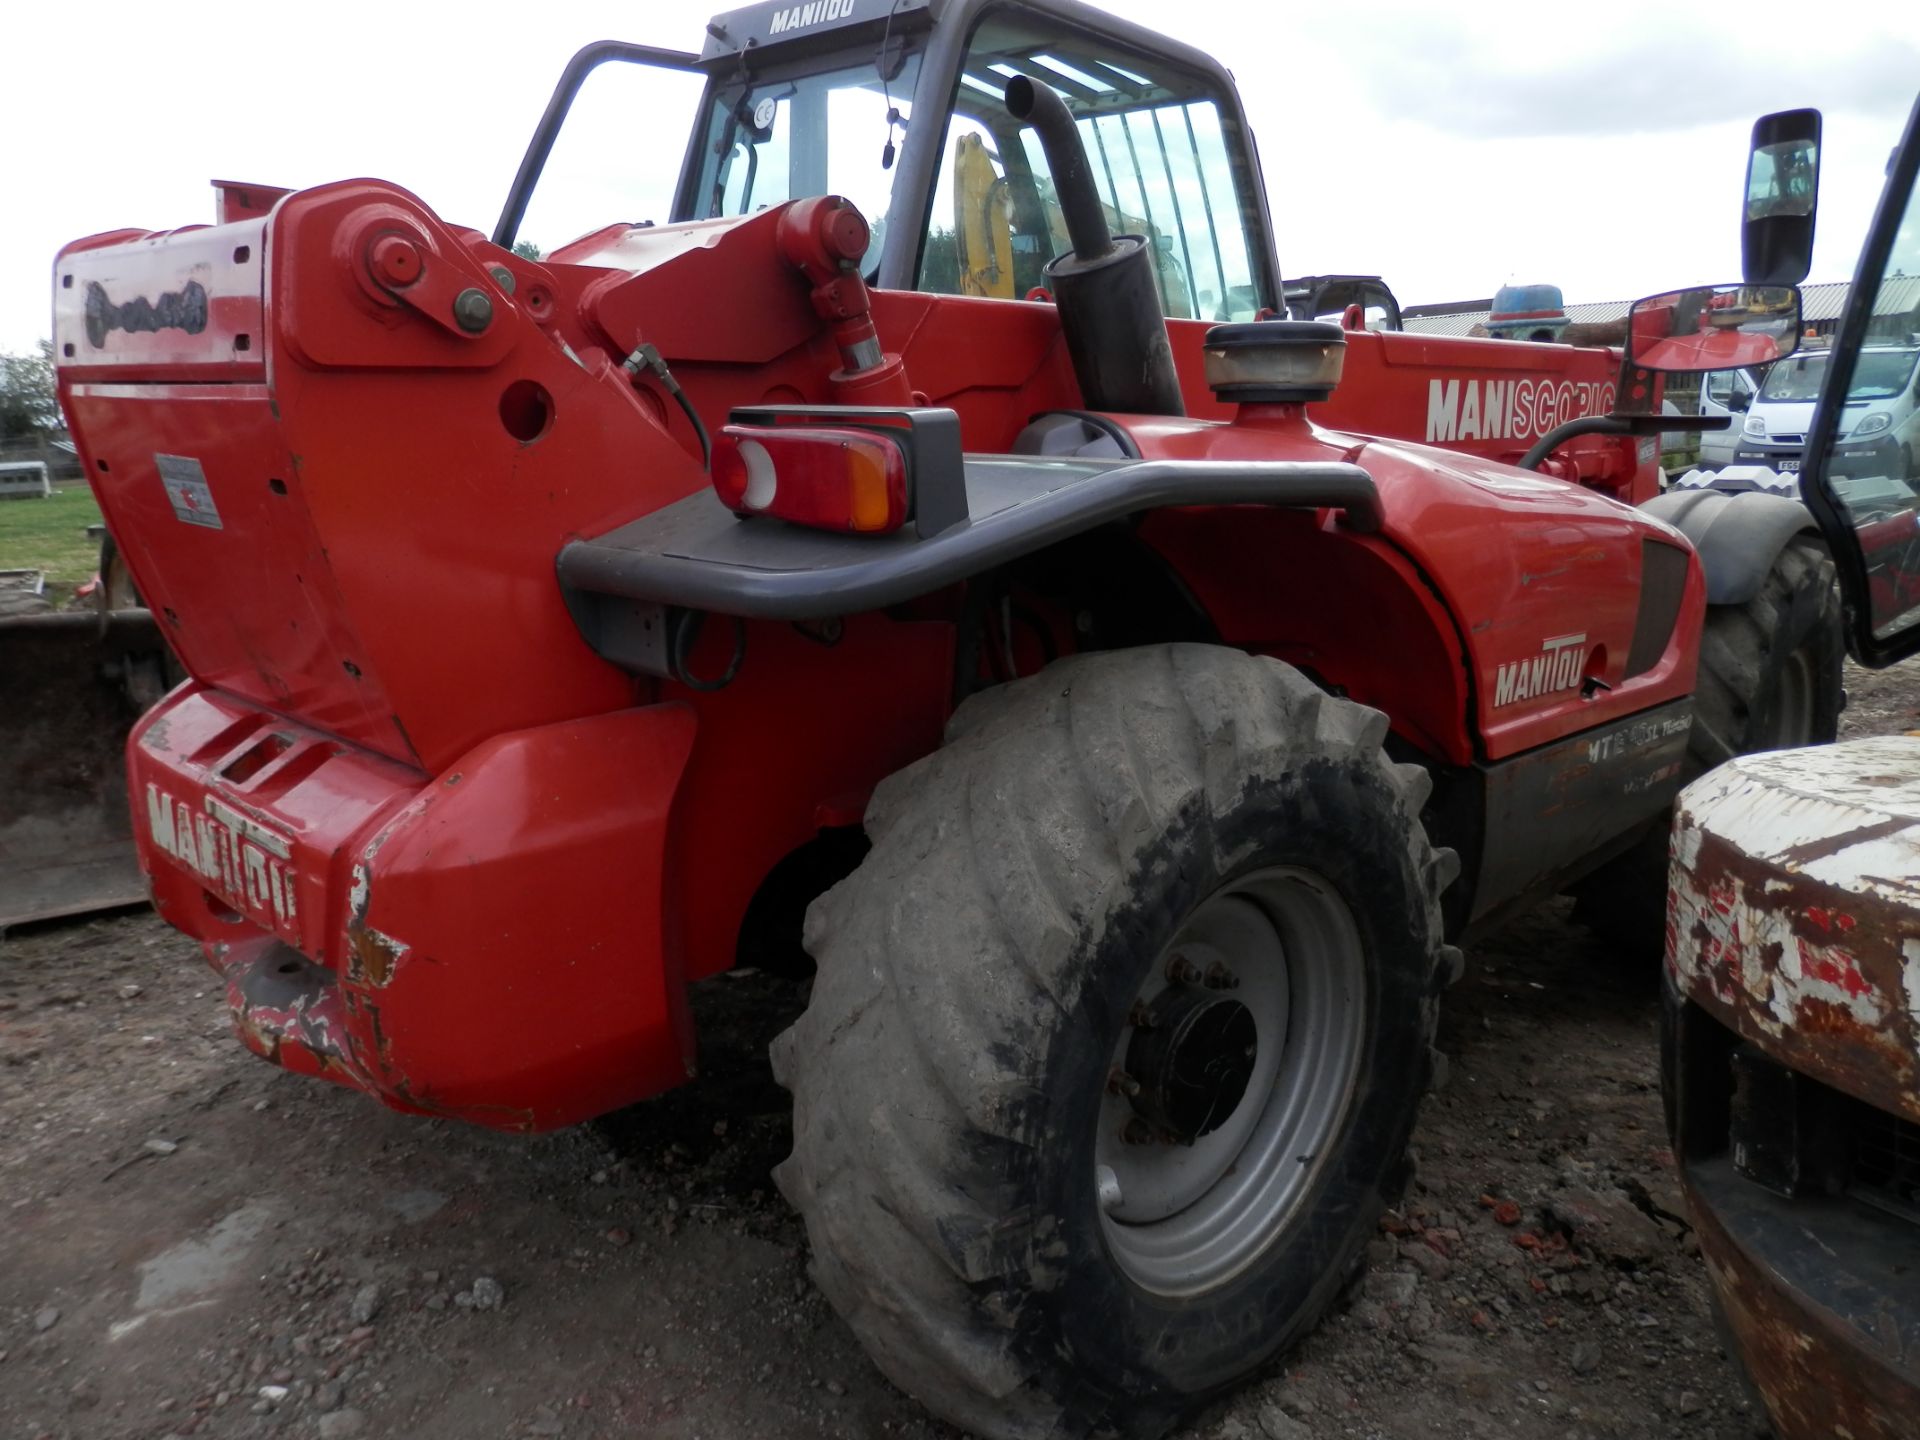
982,221
983,230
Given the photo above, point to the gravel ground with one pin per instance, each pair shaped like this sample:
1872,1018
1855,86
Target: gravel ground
192,1242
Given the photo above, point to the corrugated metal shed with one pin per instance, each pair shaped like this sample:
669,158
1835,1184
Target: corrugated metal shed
1819,305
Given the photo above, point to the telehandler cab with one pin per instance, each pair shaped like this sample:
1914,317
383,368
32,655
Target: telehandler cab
1144,692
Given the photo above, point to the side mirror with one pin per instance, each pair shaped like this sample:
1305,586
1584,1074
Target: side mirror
1783,188
1714,327
1740,400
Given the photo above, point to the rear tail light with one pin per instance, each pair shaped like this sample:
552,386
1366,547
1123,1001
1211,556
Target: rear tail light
824,477
855,469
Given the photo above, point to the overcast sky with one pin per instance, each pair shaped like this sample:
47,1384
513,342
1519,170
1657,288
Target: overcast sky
1449,147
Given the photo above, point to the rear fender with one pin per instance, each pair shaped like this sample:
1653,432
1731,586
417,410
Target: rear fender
1738,535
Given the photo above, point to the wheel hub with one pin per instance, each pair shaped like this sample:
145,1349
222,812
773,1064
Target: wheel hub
1229,1080
1192,1061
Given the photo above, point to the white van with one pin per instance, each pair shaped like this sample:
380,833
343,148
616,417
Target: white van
1727,393
1880,429
1730,393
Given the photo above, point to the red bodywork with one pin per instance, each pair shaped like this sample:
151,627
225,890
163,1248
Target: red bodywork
397,761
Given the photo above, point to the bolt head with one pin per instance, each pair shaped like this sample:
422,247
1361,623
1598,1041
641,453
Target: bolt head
396,261
1136,1132
472,311
503,277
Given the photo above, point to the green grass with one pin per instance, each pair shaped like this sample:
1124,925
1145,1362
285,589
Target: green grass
51,535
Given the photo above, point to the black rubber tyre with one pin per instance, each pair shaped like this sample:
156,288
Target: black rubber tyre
976,973
1770,669
1769,679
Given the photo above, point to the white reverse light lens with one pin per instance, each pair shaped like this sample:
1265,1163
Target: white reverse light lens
760,477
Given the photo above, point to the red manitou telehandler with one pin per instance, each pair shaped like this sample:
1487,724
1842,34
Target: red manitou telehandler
927,519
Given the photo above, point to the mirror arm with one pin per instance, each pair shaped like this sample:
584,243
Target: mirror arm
1617,425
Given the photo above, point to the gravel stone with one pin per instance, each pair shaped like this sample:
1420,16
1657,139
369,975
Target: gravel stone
366,1304
1279,1425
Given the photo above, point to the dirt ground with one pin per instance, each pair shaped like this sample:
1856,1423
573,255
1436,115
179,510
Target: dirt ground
192,1242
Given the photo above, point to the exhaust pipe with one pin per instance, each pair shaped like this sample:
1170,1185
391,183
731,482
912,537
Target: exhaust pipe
1109,304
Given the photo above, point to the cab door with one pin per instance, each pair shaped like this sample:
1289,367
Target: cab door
1860,477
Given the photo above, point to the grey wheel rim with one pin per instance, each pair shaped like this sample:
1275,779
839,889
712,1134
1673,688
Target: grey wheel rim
1184,1216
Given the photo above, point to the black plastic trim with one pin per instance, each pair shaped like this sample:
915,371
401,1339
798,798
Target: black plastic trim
1551,810
696,554
1663,584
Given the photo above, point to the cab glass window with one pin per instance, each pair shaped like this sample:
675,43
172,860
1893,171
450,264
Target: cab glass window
837,133
588,184
1874,465
1165,162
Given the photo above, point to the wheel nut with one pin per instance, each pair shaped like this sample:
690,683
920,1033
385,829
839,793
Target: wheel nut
472,311
1182,971
1121,1083
1139,1017
1218,977
1136,1132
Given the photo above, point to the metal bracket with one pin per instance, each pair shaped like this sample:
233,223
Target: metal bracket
633,634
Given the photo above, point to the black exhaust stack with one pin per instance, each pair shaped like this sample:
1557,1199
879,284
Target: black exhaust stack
1109,305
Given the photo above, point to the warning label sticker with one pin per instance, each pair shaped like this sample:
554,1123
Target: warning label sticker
187,488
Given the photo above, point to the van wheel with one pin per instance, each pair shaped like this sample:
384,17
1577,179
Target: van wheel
1117,1040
